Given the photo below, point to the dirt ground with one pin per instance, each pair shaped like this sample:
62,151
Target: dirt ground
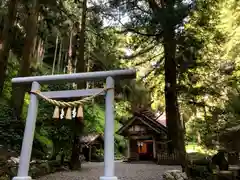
124,171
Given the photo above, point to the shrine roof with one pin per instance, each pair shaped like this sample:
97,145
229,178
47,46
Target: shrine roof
156,121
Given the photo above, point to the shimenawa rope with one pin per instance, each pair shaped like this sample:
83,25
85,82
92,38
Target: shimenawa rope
68,104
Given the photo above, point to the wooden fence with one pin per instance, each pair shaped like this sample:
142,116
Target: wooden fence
233,158
165,158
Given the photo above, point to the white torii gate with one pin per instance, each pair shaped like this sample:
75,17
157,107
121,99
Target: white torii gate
35,81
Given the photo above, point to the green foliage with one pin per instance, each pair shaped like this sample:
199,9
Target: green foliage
13,65
94,117
11,130
122,110
201,173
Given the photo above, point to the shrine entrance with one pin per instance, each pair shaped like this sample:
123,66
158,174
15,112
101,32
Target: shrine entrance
145,150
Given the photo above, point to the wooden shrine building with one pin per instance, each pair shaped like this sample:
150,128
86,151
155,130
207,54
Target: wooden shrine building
147,138
90,144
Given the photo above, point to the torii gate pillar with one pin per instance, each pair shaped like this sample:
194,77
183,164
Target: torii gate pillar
35,81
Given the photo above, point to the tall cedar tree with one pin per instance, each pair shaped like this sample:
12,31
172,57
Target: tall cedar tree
80,67
160,20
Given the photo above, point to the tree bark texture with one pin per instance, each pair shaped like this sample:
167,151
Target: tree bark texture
7,35
175,128
28,55
81,61
55,56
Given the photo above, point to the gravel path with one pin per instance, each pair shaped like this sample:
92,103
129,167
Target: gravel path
124,171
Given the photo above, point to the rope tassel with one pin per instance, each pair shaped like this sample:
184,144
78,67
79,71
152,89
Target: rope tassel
62,114
74,112
69,113
56,113
80,112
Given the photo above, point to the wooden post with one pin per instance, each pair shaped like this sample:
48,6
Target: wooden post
154,147
90,153
128,149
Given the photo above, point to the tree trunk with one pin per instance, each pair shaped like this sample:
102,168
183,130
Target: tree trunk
28,55
42,52
175,129
80,68
37,53
69,60
59,57
65,62
65,50
81,62
75,162
55,56
7,39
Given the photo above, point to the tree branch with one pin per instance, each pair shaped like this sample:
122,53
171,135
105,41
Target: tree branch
147,12
139,53
139,33
158,116
150,71
153,5
142,62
